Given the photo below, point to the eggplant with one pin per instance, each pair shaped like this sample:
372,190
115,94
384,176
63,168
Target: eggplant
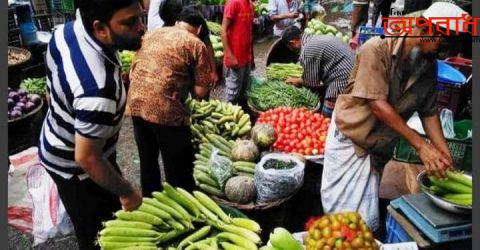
11,103
16,114
14,96
35,99
29,106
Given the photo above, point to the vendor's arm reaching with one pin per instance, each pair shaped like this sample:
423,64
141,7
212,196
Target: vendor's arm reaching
433,129
88,155
435,162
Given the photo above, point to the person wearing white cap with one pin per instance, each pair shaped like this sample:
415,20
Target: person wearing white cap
392,79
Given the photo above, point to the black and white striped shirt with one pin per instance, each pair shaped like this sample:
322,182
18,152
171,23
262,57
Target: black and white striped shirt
87,96
327,61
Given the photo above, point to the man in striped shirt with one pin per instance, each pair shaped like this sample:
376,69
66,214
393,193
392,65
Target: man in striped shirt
87,102
327,63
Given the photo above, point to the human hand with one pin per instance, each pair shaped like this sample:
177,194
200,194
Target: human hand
436,163
131,201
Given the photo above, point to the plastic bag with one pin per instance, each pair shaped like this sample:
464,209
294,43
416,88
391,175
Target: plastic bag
220,167
446,119
274,184
49,216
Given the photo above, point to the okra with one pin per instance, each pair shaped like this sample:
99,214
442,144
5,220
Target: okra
128,239
238,240
147,208
212,190
128,232
106,245
459,177
200,234
139,216
205,178
210,215
451,185
253,237
245,169
132,224
181,199
211,205
247,223
230,246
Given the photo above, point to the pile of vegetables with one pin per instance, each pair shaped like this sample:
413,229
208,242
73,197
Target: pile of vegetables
282,71
298,130
278,164
260,8
215,28
177,219
225,168
216,117
21,103
217,46
456,188
35,85
126,57
281,239
340,231
317,27
273,94
241,156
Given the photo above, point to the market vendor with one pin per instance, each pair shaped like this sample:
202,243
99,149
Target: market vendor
171,64
87,101
326,61
283,13
392,78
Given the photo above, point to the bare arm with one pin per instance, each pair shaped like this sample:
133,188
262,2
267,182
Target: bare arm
88,155
433,129
281,17
226,46
433,160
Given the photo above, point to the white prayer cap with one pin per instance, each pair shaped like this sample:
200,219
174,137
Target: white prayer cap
446,10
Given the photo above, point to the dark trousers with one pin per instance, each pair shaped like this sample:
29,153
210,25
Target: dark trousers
88,205
174,143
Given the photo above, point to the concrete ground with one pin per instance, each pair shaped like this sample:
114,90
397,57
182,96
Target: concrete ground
127,154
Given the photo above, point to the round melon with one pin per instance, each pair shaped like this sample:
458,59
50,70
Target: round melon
240,189
263,135
245,150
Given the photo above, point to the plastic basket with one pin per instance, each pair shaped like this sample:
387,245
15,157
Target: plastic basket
395,232
462,64
461,150
68,6
367,33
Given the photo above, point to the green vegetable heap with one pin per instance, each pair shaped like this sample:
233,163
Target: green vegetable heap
456,188
217,46
34,85
317,27
216,117
278,164
275,94
126,58
177,219
282,71
214,28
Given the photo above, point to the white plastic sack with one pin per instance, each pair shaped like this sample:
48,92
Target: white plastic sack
274,184
49,216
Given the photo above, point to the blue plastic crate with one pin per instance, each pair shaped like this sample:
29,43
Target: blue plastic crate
395,232
367,33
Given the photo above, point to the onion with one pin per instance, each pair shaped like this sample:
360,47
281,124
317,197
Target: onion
11,103
29,106
35,99
16,114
